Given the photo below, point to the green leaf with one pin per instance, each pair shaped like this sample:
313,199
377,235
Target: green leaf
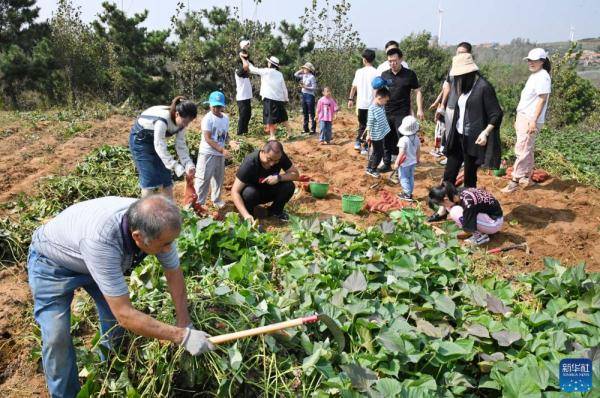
445,304
505,337
496,306
360,377
518,384
235,357
356,282
478,331
451,351
222,290
308,364
428,329
388,387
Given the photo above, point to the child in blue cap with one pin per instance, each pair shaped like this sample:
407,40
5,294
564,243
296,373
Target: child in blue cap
210,168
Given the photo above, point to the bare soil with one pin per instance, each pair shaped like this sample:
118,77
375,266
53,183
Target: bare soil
557,218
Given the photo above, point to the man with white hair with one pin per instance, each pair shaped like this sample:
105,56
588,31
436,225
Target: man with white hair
92,245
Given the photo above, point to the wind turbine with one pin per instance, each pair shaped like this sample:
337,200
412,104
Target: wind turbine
572,33
440,12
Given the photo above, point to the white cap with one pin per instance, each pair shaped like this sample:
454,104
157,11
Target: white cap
274,60
244,44
536,54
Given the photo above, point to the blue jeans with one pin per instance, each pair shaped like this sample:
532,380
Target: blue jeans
326,131
407,178
151,169
52,287
308,109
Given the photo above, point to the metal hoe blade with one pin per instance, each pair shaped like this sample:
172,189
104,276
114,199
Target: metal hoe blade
335,330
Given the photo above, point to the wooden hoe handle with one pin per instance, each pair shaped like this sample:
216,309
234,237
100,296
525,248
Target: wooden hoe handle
224,338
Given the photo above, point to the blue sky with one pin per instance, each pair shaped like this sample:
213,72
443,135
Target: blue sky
377,21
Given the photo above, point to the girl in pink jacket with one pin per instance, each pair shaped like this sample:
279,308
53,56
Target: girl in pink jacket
326,109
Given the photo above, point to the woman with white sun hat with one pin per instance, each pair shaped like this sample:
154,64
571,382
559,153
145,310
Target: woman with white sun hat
531,114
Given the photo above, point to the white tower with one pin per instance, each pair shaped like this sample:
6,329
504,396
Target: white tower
572,33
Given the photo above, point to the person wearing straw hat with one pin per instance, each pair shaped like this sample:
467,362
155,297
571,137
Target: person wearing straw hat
474,136
308,84
408,156
531,114
210,167
243,91
273,92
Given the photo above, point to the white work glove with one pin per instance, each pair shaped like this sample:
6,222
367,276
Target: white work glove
482,139
196,342
179,170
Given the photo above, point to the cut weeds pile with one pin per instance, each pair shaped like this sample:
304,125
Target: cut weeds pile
417,323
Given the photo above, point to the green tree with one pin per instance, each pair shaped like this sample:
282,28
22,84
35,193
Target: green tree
207,50
573,98
430,63
20,34
79,55
137,58
337,44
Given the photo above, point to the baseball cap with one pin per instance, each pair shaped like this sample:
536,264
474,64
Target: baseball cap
216,98
536,54
378,82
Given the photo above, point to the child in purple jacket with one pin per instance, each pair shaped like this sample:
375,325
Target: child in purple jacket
326,109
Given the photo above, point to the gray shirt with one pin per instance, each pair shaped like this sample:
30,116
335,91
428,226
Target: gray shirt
309,81
87,238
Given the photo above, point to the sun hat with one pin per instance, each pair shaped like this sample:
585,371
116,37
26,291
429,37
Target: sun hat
378,82
463,64
244,44
216,98
309,66
536,54
409,126
274,60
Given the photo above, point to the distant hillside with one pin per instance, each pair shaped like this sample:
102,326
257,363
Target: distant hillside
513,53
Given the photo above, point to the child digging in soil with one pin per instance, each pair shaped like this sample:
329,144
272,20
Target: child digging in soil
408,156
211,155
377,129
326,110
474,210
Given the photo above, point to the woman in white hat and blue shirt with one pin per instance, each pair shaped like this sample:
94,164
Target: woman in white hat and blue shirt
148,145
531,115
273,92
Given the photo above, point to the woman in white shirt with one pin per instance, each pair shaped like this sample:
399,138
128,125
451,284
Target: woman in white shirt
531,114
273,92
148,145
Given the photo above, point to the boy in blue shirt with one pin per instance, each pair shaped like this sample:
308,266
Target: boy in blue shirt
377,129
210,169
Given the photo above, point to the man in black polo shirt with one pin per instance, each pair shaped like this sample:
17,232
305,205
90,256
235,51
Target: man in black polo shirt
259,180
401,82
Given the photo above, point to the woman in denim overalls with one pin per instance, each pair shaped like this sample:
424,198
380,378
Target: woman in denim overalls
148,146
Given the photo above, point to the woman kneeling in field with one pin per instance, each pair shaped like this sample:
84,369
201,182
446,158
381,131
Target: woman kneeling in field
474,210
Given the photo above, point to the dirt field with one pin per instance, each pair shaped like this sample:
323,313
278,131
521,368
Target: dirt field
557,218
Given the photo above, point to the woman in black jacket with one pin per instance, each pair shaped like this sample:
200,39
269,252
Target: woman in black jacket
474,137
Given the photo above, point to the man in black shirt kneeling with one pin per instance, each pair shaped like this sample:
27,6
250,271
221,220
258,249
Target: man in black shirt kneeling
259,180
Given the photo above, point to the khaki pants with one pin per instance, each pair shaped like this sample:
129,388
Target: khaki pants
210,171
524,148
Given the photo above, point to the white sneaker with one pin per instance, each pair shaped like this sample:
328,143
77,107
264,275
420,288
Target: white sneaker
444,161
477,239
364,152
219,204
511,187
435,153
525,182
